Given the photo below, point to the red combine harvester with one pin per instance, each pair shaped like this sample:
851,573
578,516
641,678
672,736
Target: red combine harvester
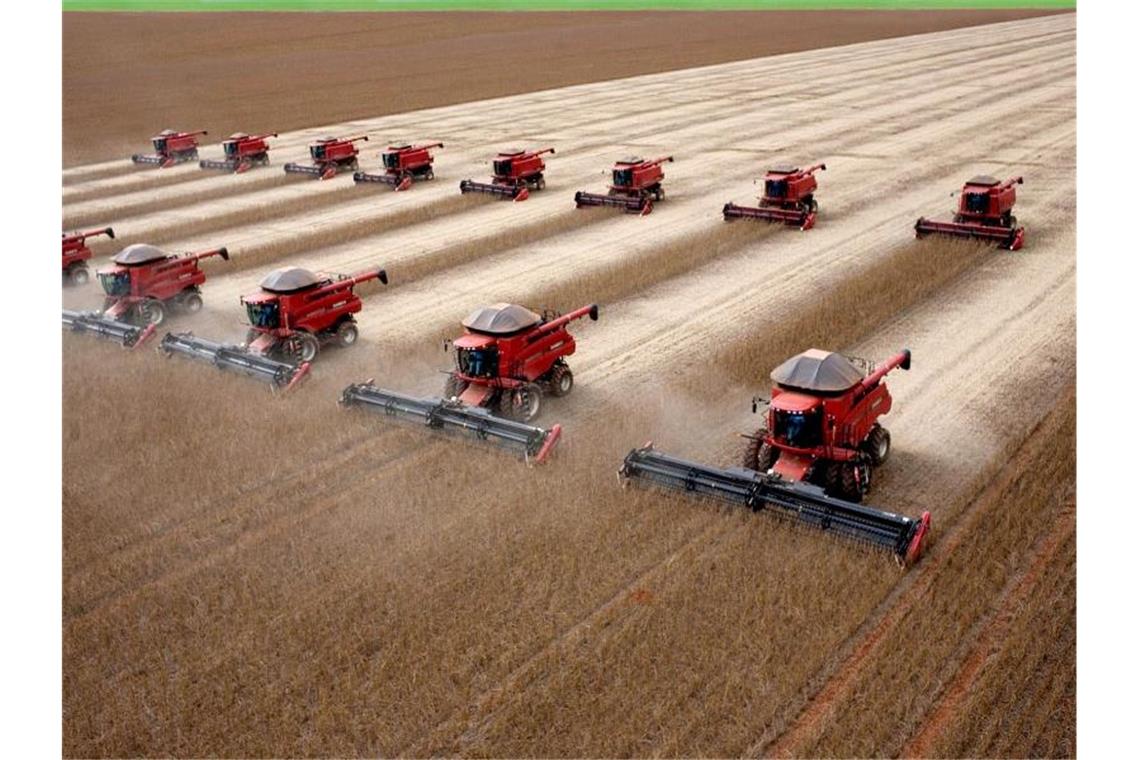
171,148
636,185
507,358
403,165
985,212
76,254
242,153
141,288
291,317
789,198
813,459
516,173
329,154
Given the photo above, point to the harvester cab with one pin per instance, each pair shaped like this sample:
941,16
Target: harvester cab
170,148
241,153
329,154
812,460
141,288
76,254
507,358
636,185
788,198
516,173
403,165
985,212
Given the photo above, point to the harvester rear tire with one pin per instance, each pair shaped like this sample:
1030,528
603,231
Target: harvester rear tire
521,404
152,312
79,276
453,387
878,445
191,303
561,381
540,183
346,334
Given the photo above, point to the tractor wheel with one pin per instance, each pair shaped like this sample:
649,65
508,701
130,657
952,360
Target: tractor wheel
758,455
521,404
429,174
878,444
561,381
540,183
301,347
346,334
190,302
79,276
854,480
1012,222
152,312
453,387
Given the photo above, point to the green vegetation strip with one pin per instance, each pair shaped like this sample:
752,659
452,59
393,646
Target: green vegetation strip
551,5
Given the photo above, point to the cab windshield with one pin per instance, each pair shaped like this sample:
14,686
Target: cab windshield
503,167
776,188
799,429
391,160
115,283
976,203
263,314
230,147
317,151
623,177
478,362
159,144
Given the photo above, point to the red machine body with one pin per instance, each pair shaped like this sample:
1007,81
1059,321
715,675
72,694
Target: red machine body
76,254
296,311
329,154
145,283
636,185
242,152
403,165
788,198
170,148
509,356
985,212
823,423
516,173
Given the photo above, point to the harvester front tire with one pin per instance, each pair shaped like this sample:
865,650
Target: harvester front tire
152,312
758,455
453,387
302,347
346,334
854,481
561,381
522,404
878,445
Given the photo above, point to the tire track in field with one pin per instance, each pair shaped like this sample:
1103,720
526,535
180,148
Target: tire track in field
993,631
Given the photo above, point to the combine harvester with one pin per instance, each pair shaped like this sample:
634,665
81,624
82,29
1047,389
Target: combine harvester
985,212
516,173
242,153
291,317
329,154
403,165
76,254
141,288
813,459
507,358
789,198
636,185
171,148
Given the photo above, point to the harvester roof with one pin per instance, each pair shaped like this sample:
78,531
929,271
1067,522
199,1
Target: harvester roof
631,160
289,280
139,253
818,371
511,152
501,319
984,180
784,169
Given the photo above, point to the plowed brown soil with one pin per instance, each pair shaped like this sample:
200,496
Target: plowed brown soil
125,76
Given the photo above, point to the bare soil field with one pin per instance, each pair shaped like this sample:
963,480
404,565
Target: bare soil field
125,76
257,576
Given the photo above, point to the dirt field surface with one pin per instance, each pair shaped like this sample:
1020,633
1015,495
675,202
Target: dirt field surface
246,575
126,76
